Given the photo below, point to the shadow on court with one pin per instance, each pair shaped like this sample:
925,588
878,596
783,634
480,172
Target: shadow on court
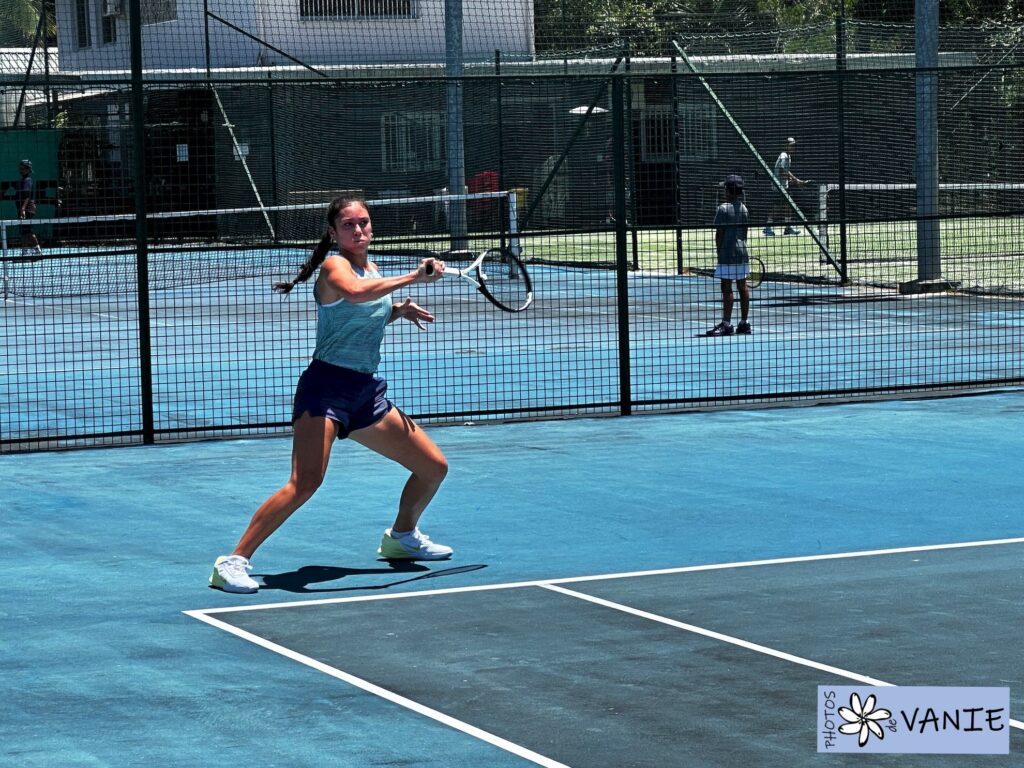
300,579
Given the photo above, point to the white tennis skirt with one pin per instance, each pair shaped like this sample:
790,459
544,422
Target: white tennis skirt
732,271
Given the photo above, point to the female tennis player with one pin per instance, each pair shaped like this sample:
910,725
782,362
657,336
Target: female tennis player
340,396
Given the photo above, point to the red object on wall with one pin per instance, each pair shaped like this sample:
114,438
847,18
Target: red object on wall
484,181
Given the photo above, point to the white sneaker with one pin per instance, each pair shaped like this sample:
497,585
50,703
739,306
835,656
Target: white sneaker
231,573
411,546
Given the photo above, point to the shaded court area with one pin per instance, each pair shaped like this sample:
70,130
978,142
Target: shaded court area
720,662
530,633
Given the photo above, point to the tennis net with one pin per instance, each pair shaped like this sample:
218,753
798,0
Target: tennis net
981,226
99,255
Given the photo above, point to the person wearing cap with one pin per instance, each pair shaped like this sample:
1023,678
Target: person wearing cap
780,205
25,200
731,221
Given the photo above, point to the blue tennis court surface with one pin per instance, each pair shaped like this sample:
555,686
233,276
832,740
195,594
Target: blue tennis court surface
647,591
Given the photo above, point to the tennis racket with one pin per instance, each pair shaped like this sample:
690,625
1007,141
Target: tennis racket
756,272
498,274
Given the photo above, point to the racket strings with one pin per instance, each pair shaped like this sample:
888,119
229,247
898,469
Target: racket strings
505,280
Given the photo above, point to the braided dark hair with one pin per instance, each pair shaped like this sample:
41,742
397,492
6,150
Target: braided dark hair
322,248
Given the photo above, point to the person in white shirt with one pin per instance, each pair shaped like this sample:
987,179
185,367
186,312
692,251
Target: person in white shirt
784,174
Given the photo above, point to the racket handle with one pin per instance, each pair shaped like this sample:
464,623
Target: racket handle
430,269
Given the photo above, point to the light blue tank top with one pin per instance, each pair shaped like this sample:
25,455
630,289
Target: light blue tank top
348,334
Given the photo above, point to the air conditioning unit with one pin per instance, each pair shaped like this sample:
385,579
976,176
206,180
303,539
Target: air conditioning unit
114,7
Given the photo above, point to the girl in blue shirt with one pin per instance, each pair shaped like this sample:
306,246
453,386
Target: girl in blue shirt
731,221
339,395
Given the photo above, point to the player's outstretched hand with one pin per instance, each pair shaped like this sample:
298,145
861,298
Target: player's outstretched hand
413,313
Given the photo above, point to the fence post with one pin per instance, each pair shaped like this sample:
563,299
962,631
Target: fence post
677,200
456,150
138,102
841,138
621,246
929,264
501,141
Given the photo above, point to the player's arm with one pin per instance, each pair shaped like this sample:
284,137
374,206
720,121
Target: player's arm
339,276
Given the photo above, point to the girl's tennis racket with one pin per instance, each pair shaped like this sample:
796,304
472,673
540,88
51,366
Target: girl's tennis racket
756,272
499,275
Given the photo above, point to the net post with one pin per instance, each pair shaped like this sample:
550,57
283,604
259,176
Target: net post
500,137
513,224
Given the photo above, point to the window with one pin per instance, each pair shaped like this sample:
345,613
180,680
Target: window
412,141
109,10
83,29
356,9
696,133
108,29
158,11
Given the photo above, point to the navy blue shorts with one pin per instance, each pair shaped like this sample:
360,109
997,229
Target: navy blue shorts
351,399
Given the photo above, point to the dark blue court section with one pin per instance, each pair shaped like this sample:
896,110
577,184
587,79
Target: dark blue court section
103,551
587,685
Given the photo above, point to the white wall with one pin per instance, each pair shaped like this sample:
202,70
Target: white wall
487,25
180,44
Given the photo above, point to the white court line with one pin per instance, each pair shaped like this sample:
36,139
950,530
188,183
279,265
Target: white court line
763,649
602,577
384,693
552,585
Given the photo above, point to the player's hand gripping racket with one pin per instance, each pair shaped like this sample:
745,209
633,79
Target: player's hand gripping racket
499,275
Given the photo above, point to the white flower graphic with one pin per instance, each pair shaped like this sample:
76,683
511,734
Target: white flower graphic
863,719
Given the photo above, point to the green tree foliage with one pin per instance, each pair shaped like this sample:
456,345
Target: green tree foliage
648,25
574,25
19,20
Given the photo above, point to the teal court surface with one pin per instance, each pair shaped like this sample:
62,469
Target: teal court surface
661,590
